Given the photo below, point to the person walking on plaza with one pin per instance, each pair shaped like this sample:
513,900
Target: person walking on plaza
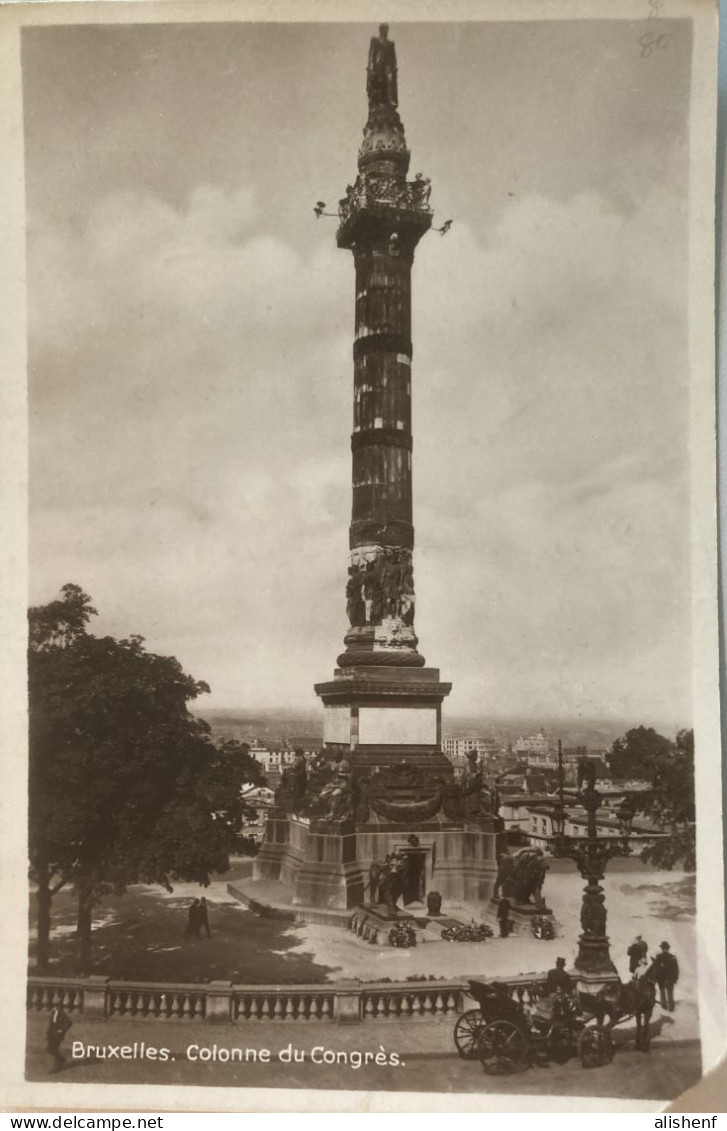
665,970
203,918
637,953
58,1025
193,920
503,917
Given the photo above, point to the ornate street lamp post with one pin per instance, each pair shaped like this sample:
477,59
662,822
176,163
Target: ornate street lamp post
593,967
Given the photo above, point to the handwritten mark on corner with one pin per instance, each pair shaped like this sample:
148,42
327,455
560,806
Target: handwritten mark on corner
650,43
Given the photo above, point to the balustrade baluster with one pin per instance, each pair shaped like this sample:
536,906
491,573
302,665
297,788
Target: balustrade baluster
278,1009
439,1004
326,1008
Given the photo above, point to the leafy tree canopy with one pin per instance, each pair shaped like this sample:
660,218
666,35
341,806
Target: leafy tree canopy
125,783
668,767
637,754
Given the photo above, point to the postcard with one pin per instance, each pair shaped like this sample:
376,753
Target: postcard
361,665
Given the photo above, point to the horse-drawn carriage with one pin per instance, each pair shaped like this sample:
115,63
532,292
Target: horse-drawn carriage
507,1036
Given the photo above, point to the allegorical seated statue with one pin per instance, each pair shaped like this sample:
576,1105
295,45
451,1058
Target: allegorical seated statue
330,790
381,85
290,794
476,799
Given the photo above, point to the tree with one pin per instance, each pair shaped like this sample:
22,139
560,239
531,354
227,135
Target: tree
125,783
668,767
672,807
637,754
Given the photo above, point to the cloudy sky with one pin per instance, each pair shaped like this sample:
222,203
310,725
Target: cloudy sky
190,352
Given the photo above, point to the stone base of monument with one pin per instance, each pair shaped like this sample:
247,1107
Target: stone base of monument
317,859
326,863
374,924
590,982
521,916
593,969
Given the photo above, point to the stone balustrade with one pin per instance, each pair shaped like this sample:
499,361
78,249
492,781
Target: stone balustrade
293,1004
140,999
226,1002
66,992
411,999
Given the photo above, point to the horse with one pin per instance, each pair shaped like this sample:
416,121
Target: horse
629,999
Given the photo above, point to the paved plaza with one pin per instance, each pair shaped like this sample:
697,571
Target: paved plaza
142,935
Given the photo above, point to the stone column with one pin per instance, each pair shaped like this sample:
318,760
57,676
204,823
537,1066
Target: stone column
383,218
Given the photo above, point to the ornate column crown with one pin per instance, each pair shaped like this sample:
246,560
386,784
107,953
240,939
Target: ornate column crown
383,158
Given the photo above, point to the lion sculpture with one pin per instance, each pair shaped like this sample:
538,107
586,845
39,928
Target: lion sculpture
520,877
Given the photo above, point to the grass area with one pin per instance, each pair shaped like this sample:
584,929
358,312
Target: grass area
140,937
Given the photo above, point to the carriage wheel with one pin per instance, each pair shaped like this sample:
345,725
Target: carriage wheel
595,1047
503,1048
560,1043
467,1033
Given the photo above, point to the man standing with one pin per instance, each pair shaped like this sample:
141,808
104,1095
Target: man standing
557,980
193,920
58,1025
637,954
203,917
666,975
503,917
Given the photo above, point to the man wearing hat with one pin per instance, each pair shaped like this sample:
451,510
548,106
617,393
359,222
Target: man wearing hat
637,954
557,979
665,969
557,983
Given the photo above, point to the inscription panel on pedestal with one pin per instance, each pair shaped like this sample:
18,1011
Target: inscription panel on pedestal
404,726
337,724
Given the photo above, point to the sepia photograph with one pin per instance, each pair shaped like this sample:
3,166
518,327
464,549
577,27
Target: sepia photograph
372,679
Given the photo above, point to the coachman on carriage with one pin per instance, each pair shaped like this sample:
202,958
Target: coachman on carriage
506,1035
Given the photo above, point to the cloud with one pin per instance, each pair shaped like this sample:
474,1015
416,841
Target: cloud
191,386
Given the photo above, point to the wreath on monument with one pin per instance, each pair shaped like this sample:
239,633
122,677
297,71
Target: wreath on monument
467,932
402,935
542,927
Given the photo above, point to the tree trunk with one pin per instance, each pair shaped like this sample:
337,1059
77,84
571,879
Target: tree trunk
83,926
43,897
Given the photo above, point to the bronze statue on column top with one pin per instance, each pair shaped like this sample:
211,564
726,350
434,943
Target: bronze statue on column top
381,70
